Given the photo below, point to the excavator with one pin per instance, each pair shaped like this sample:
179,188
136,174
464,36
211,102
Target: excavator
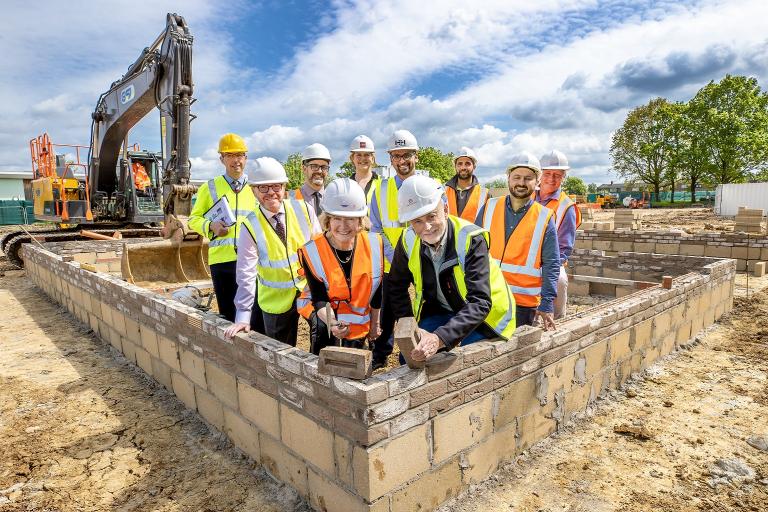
119,191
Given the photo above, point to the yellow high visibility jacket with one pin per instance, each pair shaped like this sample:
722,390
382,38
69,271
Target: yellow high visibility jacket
279,279
386,200
221,248
501,318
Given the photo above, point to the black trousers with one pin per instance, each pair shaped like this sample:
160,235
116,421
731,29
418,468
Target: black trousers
384,344
524,316
282,327
225,287
319,339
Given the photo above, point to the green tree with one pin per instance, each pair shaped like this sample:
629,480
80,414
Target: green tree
574,185
293,169
439,164
347,170
638,148
497,183
730,119
592,188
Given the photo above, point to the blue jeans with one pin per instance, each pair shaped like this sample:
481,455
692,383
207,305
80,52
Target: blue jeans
431,323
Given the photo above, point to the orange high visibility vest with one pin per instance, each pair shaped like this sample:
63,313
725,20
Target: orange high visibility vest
520,255
476,199
560,207
350,301
296,194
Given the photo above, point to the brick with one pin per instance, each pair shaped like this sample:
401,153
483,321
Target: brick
495,365
462,427
184,390
463,379
283,465
409,419
444,363
391,463
406,336
132,330
209,408
527,335
342,458
129,350
308,439
477,353
758,269
319,413
222,384
118,322
370,391
430,490
149,341
260,408
402,379
326,496
144,360
534,427
242,433
162,374
516,399
114,339
345,362
385,410
478,389
169,353
428,392
193,367
717,251
359,433
485,458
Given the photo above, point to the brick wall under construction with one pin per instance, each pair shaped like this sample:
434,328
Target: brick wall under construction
406,439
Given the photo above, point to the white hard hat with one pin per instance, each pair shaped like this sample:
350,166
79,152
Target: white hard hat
315,151
555,160
402,139
467,152
525,159
267,170
362,144
343,197
418,195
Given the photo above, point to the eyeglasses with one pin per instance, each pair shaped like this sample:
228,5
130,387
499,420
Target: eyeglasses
317,167
405,156
276,187
235,155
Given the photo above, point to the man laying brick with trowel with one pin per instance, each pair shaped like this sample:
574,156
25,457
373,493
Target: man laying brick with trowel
461,298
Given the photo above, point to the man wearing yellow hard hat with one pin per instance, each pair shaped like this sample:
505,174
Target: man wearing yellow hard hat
222,248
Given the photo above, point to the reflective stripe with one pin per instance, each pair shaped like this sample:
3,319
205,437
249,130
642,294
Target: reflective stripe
520,269
509,315
242,213
354,319
276,284
409,239
376,261
461,241
541,225
562,207
526,291
303,225
490,208
212,190
316,261
384,205
263,249
219,242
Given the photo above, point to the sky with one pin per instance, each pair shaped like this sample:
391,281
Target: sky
499,76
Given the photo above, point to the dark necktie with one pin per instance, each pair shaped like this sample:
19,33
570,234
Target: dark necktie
316,200
279,227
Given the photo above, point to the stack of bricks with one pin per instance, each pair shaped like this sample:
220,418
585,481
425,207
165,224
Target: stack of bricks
407,439
749,220
627,218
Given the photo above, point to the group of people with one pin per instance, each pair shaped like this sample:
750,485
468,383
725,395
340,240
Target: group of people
344,254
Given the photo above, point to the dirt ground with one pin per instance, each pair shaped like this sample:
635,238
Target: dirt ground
81,429
690,220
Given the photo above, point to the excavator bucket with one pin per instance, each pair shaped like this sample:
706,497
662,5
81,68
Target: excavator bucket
153,264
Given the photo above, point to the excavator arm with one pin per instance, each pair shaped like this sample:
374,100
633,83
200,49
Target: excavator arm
160,78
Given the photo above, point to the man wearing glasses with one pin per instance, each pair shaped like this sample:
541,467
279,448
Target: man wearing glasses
267,257
315,164
222,248
403,154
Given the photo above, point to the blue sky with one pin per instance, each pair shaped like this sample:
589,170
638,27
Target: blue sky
499,76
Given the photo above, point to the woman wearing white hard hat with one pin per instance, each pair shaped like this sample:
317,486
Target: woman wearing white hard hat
362,154
461,298
344,267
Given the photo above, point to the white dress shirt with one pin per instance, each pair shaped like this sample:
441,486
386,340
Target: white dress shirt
247,263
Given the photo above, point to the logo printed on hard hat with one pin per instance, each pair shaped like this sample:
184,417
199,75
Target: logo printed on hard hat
362,144
400,142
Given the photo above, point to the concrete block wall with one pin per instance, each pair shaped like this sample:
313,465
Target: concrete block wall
406,439
739,246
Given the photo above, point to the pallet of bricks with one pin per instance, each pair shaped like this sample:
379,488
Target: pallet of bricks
588,220
628,219
749,220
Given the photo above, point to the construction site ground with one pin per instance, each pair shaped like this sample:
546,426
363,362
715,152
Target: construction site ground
82,429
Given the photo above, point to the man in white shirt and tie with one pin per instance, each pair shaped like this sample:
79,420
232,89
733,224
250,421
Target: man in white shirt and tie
315,164
267,259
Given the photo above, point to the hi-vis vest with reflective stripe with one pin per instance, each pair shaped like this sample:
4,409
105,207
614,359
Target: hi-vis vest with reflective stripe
221,248
477,198
520,256
350,301
388,212
501,318
296,194
560,207
278,267
375,180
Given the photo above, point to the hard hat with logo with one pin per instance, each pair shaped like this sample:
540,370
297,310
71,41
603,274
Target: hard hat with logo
402,139
343,197
267,170
316,151
232,143
466,152
525,159
554,160
362,144
418,195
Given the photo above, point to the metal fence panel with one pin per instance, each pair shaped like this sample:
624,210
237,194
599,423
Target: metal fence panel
16,211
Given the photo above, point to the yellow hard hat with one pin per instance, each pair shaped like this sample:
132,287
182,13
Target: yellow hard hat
232,143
